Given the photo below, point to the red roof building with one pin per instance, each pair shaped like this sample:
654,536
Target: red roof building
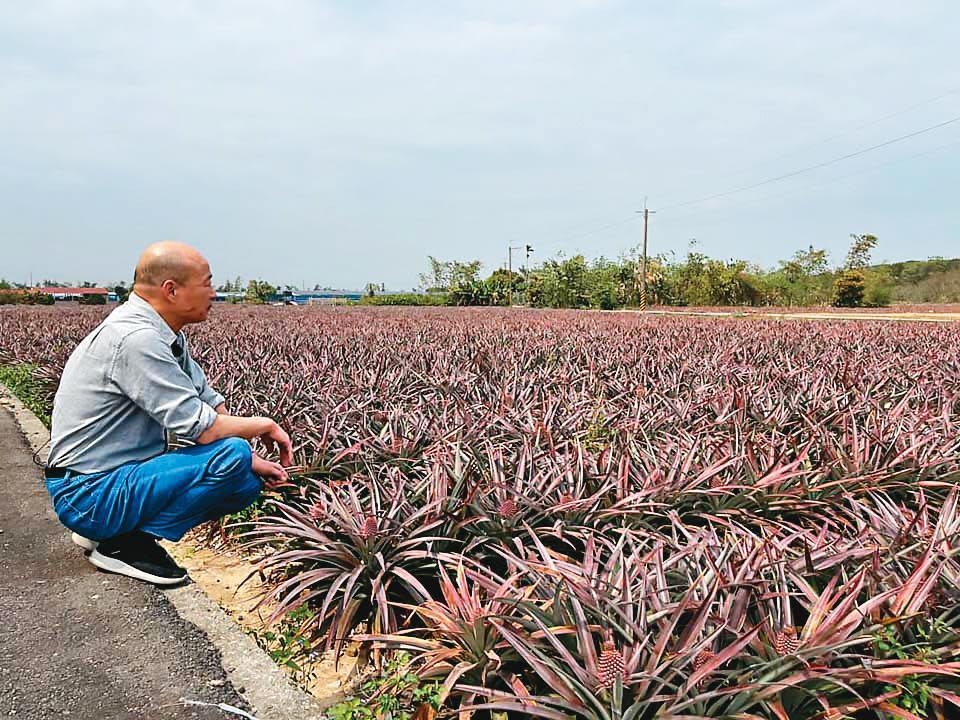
68,291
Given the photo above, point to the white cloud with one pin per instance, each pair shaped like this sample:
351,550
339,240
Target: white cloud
340,130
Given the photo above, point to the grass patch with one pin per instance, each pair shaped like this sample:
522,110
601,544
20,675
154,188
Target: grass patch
19,378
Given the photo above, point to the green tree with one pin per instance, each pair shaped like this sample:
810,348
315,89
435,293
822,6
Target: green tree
878,287
464,285
563,283
858,257
606,284
701,280
502,285
259,292
437,278
232,286
460,279
851,282
849,288
799,279
463,274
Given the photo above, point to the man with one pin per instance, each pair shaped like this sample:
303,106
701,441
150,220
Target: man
126,385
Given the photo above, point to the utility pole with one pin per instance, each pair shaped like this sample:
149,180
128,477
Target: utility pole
510,249
643,265
526,275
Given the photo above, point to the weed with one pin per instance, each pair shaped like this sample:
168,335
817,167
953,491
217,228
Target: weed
19,378
285,645
396,694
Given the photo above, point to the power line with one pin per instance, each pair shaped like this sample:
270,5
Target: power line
834,136
873,122
618,223
810,168
794,191
576,236
602,228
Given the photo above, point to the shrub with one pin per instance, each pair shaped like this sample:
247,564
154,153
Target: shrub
428,299
849,288
605,297
877,295
24,297
21,380
93,300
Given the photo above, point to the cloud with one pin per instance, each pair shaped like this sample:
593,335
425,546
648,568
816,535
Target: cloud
351,140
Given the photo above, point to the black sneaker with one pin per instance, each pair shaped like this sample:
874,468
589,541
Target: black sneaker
137,555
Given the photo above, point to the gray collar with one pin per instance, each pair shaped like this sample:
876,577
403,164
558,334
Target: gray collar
143,309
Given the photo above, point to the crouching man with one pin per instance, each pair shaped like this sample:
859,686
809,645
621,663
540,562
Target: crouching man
111,477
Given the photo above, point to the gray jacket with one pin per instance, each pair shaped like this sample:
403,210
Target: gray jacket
126,384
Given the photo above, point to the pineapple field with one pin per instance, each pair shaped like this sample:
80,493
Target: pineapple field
609,516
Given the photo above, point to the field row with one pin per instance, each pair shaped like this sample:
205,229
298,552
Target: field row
562,513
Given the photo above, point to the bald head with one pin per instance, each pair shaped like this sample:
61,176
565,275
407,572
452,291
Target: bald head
175,279
168,261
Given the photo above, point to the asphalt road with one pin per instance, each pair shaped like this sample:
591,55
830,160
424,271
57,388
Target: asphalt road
79,643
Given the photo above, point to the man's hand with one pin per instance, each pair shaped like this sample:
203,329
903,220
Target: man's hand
272,473
277,437
270,434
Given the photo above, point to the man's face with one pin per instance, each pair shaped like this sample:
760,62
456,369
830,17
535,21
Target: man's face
194,298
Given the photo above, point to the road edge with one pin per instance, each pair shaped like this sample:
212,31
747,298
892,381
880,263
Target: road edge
251,671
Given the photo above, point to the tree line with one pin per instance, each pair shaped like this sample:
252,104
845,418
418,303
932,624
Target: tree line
14,293
804,279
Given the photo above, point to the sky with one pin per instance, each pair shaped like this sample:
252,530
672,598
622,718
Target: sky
341,143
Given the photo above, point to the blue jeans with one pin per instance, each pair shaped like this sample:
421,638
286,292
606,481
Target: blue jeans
164,496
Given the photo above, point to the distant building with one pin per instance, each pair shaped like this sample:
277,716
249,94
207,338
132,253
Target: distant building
310,297
300,297
69,293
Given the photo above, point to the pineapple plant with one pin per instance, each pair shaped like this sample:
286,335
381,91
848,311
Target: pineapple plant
786,641
702,658
368,528
507,509
610,665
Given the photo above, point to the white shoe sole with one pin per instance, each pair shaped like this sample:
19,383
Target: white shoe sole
121,568
83,542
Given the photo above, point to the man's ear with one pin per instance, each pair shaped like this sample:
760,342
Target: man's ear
169,288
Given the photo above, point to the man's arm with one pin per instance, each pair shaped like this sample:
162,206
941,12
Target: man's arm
272,473
145,370
271,434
